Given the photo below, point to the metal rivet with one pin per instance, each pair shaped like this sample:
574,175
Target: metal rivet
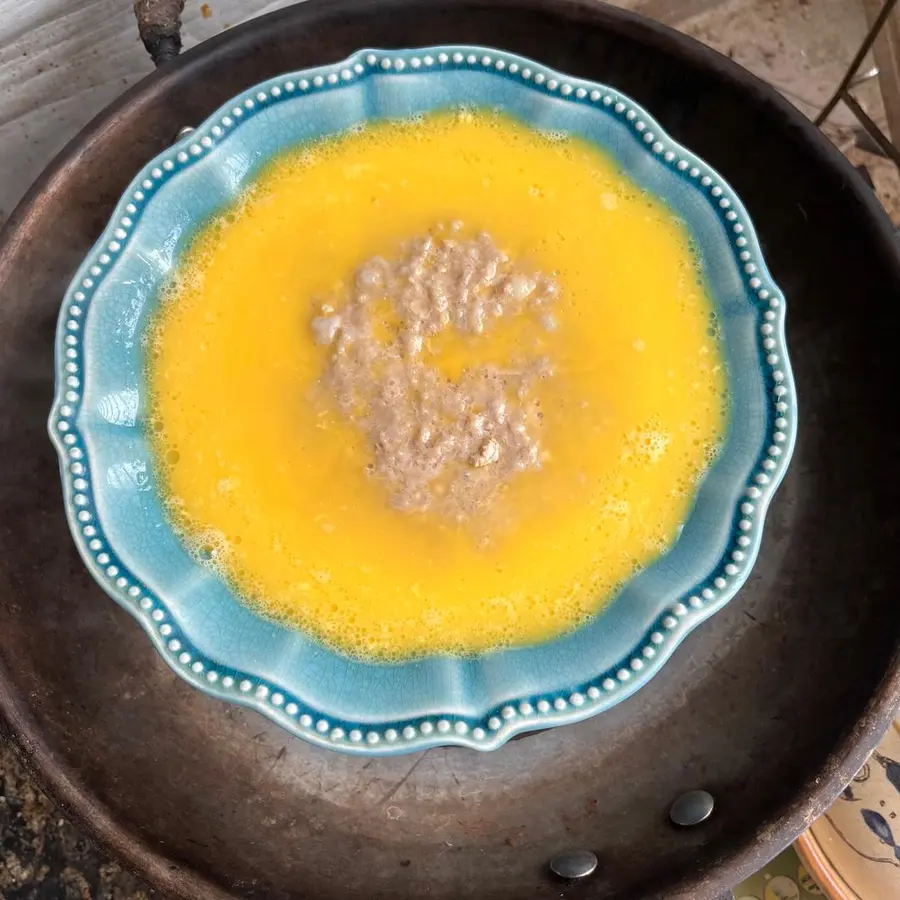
692,808
573,864
187,129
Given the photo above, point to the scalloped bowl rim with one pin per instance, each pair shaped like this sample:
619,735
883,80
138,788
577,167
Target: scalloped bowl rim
512,715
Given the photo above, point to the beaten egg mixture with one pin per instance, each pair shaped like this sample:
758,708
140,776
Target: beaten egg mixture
275,472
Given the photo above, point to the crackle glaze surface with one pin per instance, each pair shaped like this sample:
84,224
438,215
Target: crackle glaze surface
202,630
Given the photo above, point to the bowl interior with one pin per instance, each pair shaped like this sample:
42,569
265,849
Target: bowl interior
198,624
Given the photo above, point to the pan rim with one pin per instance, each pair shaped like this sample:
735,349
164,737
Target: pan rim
814,794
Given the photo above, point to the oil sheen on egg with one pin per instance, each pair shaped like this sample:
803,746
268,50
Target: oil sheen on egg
274,490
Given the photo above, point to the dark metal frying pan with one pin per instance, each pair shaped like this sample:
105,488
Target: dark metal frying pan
771,705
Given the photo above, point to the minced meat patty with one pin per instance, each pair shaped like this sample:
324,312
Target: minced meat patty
438,444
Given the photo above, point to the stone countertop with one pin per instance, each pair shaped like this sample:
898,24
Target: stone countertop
61,61
43,856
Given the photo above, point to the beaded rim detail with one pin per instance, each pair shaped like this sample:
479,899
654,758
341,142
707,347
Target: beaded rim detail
518,714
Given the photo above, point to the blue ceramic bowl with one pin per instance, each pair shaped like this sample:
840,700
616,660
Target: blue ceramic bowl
199,626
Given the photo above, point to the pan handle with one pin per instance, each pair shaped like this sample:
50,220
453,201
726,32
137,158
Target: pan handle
159,25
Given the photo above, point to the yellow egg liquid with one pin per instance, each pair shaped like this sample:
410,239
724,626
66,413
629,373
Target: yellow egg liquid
271,488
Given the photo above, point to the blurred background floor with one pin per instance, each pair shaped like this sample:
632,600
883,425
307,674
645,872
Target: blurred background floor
62,61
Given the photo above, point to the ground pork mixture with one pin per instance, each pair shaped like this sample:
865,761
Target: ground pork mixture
439,444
